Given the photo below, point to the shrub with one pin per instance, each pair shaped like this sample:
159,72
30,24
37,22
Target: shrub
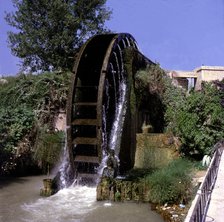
170,184
26,102
198,121
48,148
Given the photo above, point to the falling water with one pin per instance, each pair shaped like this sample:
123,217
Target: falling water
121,106
64,169
113,140
116,132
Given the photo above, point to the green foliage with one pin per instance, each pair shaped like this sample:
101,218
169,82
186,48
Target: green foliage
137,174
49,32
14,124
150,80
171,184
36,90
48,147
198,121
149,88
173,98
220,86
26,102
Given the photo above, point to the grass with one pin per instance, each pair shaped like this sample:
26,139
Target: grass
171,184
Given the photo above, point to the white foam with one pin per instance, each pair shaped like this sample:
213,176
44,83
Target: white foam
69,205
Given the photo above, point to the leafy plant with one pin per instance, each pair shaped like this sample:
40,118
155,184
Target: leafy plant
149,88
150,81
171,184
48,148
137,174
14,125
198,121
26,102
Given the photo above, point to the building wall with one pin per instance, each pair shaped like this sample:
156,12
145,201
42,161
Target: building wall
203,73
208,74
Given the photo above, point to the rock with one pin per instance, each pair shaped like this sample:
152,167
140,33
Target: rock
47,190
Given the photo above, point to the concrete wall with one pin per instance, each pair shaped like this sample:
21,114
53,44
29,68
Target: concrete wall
180,78
208,74
203,73
154,150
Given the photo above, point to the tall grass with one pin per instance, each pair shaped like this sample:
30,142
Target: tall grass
171,184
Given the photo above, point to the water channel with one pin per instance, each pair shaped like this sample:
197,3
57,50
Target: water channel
20,202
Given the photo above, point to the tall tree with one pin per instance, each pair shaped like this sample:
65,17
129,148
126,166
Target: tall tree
49,32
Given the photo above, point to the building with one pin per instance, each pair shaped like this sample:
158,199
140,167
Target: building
194,79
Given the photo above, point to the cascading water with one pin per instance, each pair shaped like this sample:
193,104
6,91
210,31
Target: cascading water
112,137
116,132
64,167
121,106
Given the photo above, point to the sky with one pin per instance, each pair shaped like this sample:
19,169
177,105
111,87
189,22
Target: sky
177,34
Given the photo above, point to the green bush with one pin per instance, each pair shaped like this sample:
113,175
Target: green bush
136,174
14,124
48,148
171,184
36,91
198,121
26,102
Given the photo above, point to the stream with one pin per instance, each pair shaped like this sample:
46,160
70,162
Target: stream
20,202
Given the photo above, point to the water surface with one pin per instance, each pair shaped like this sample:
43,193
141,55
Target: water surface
20,202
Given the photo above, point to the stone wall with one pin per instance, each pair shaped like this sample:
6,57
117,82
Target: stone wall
122,190
154,150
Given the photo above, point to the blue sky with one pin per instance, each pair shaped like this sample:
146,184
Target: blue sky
178,34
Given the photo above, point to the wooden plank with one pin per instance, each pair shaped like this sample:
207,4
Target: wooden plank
86,122
85,140
86,87
87,159
85,103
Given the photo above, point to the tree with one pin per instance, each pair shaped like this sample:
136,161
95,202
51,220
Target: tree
49,32
198,121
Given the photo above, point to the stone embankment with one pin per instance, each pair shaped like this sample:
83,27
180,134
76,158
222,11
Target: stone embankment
122,190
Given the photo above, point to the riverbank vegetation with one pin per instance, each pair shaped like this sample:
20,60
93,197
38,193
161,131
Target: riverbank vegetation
171,184
29,105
